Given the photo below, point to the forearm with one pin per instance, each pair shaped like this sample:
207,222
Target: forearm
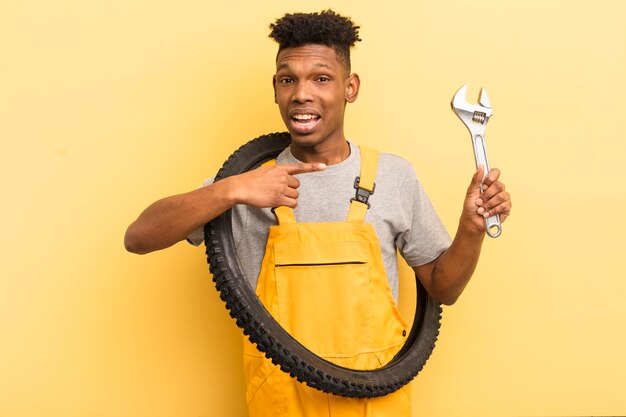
445,278
172,219
454,267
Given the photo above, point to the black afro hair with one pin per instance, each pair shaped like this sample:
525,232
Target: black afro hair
324,28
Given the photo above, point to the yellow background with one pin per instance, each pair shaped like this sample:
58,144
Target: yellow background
107,106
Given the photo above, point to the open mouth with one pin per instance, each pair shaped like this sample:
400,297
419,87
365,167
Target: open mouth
305,122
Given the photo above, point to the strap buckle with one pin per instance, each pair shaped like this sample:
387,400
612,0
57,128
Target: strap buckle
362,195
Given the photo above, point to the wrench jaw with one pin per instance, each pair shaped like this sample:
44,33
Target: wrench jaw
474,116
483,99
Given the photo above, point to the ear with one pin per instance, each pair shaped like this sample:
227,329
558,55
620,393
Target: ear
352,87
274,86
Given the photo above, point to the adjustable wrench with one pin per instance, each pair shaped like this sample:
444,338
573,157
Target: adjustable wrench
475,118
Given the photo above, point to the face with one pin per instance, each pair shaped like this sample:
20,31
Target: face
311,88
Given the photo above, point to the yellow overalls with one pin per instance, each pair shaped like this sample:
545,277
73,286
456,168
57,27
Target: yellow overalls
325,283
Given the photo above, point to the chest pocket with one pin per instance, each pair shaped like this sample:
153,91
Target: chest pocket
323,290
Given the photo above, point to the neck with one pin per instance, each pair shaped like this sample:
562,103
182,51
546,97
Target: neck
328,152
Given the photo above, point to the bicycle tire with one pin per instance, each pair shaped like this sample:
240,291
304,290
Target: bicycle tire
270,337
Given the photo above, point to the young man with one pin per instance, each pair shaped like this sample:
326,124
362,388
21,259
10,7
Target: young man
315,176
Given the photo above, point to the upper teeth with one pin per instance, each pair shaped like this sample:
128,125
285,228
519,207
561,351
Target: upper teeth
304,116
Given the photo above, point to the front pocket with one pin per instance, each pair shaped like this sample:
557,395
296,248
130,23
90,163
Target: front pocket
324,295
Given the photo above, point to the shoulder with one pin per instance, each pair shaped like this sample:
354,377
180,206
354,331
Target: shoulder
394,160
396,166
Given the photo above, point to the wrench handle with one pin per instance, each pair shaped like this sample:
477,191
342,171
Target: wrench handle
493,225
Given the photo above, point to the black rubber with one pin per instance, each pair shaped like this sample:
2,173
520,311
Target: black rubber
272,339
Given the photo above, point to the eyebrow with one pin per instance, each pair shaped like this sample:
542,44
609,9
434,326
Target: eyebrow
317,65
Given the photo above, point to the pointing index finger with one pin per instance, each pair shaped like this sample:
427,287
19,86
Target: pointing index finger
304,167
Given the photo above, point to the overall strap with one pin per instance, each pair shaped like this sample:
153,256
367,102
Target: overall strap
284,214
364,184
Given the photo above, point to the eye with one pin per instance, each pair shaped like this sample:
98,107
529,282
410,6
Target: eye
323,79
286,80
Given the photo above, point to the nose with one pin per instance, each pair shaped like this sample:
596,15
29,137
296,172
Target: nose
302,92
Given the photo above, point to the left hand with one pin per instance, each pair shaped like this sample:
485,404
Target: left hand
493,200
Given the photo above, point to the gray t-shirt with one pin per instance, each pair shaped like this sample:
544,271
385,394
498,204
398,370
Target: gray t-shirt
402,215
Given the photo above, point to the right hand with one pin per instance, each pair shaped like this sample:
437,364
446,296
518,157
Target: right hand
271,186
